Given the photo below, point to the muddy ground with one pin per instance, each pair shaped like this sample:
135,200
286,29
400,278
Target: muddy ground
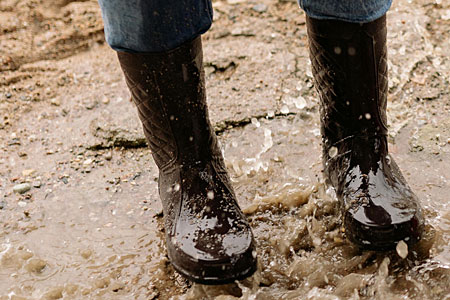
87,222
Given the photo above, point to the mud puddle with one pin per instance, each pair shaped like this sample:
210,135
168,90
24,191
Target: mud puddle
88,223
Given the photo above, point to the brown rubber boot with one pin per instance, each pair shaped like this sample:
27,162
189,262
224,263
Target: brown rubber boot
208,238
350,69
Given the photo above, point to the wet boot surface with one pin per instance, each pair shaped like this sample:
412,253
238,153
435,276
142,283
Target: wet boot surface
349,63
208,238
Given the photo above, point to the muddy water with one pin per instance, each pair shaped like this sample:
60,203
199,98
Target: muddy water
90,227
98,236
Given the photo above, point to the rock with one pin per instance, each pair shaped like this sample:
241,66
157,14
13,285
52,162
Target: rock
88,162
22,188
90,105
260,7
105,100
117,132
55,102
108,156
28,172
37,184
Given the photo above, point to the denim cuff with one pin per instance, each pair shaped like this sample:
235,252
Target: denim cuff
354,11
148,26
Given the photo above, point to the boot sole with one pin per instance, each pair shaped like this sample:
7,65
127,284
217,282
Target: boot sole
383,239
216,280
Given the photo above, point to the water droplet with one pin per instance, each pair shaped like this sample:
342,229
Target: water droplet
210,195
351,51
402,249
191,138
176,188
337,50
270,114
332,152
284,109
172,117
368,116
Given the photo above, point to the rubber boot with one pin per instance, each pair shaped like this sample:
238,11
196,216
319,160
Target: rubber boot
350,70
208,238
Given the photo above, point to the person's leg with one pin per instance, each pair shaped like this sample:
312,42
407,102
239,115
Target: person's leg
348,57
154,26
208,238
353,11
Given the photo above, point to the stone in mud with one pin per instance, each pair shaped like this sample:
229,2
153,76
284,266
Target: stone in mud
28,172
117,132
37,184
22,188
260,7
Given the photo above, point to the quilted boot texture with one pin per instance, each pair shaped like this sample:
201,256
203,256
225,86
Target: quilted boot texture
350,69
208,238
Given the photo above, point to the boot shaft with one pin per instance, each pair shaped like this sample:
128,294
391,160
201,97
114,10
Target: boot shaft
168,90
349,64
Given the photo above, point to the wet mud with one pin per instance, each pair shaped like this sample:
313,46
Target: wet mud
79,210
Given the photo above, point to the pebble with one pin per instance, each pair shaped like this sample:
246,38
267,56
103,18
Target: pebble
22,188
260,7
28,172
284,110
90,105
37,184
55,102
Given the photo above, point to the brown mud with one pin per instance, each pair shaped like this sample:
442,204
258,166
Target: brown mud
88,223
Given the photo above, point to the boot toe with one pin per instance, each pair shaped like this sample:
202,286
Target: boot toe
384,232
214,258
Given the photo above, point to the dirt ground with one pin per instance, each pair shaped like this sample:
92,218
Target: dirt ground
80,216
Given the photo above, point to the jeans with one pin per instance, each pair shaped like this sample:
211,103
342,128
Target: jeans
154,25
354,11
161,25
